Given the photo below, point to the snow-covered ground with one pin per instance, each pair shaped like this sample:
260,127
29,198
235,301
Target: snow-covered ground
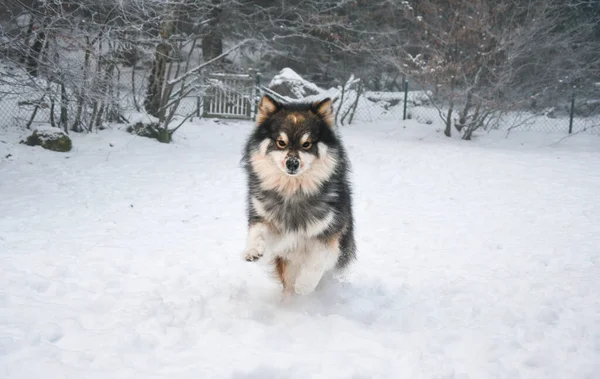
477,259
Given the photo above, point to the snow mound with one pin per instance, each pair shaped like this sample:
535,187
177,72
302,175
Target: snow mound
291,86
48,130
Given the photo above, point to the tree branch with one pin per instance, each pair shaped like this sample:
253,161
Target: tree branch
200,67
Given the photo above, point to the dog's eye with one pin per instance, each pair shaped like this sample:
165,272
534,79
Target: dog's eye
306,145
281,143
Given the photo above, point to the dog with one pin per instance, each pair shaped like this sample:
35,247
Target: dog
299,200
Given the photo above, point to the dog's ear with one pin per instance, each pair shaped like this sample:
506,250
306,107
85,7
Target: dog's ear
266,108
324,109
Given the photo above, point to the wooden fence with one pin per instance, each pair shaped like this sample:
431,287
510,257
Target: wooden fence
229,96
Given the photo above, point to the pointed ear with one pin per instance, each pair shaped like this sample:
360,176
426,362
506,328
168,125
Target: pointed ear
266,108
324,109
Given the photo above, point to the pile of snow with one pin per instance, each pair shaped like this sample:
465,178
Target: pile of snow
288,83
290,87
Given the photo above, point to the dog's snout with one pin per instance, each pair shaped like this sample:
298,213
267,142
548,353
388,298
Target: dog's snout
292,164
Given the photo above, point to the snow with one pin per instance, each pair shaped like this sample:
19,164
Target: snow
299,86
286,75
47,132
477,259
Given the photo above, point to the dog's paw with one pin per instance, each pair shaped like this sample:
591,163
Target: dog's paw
307,281
287,296
252,255
305,288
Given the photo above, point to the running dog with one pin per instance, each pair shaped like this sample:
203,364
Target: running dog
299,199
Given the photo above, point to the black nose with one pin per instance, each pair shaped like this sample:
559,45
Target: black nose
292,164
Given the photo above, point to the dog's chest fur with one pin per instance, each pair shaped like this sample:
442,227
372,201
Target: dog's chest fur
307,215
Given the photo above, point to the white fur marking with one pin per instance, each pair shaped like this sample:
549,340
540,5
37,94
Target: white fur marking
303,240
313,229
279,156
284,137
255,242
259,208
262,148
316,262
306,159
322,149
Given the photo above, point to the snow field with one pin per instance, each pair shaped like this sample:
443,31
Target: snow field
477,259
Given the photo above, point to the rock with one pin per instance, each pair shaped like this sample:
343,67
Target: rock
151,130
144,130
50,138
289,84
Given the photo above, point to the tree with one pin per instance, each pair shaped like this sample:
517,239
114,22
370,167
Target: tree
480,54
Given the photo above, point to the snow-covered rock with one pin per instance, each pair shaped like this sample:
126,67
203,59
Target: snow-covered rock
289,84
50,138
141,129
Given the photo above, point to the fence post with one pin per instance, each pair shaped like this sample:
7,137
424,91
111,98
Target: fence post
198,104
572,112
405,99
257,94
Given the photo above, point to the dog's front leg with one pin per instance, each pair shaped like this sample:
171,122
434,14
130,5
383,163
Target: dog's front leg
256,241
318,259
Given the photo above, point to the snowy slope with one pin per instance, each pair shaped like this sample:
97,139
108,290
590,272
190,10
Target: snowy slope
477,259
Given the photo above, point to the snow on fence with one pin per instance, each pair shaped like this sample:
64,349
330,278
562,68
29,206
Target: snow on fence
229,96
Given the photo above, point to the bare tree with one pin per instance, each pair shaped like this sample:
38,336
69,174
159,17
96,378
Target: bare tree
478,55
92,59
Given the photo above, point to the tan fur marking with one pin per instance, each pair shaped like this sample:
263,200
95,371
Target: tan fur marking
325,110
280,268
296,118
334,242
265,109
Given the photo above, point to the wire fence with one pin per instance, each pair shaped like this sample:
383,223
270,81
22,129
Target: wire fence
24,106
573,115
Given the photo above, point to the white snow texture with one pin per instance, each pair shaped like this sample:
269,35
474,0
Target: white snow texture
476,259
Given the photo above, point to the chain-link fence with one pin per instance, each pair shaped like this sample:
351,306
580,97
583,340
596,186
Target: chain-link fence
573,114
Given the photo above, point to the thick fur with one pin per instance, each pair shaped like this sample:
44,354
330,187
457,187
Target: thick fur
301,220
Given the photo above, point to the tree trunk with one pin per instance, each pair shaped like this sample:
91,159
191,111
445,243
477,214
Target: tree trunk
76,127
475,123
212,42
465,112
105,93
52,106
63,108
212,45
133,89
28,35
157,75
157,79
34,54
163,135
448,130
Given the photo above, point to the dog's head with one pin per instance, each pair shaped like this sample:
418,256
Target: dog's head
294,143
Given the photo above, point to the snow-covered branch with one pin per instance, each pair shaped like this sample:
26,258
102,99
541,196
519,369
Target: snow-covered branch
196,69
